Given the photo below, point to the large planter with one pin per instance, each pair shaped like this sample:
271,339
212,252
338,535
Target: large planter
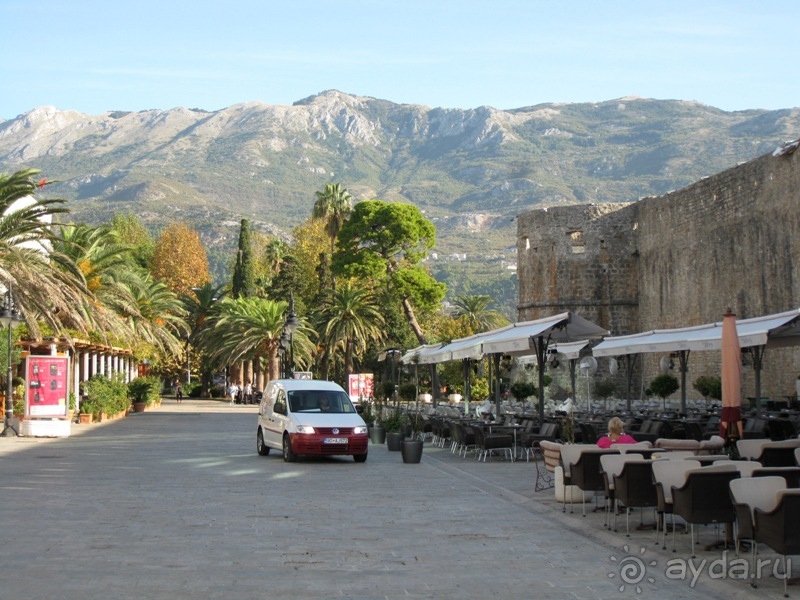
139,407
394,440
84,417
411,450
377,435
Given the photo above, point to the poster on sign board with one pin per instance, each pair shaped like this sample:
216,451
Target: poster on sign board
360,386
46,386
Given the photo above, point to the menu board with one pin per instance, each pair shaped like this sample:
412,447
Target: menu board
361,386
46,381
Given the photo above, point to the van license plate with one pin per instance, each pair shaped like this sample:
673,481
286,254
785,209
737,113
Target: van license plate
335,440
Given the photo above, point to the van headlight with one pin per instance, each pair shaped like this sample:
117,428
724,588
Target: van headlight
360,429
304,429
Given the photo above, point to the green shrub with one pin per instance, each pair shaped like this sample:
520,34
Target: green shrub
479,390
193,389
387,388
407,392
605,388
523,389
107,395
664,385
709,386
145,389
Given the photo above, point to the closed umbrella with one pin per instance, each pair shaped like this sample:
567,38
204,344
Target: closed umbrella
731,419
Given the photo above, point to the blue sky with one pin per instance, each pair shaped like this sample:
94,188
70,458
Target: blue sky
95,56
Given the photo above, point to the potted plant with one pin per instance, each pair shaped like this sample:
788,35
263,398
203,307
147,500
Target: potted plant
71,406
411,448
395,425
376,430
141,391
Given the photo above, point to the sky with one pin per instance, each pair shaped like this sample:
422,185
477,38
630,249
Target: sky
95,57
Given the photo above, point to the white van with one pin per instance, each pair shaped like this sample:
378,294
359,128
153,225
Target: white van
309,417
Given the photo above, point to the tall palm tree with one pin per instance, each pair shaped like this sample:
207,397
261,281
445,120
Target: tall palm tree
353,318
333,204
475,311
46,284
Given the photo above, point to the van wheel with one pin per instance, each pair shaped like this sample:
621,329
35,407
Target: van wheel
288,455
360,457
262,448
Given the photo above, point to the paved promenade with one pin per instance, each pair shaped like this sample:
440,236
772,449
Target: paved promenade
175,503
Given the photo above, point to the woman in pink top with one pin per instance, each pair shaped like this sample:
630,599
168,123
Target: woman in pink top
615,435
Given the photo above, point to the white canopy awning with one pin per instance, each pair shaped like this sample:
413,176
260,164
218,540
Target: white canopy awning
513,339
561,327
567,350
420,354
774,330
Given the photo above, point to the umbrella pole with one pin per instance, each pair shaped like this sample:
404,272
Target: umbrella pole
683,361
757,353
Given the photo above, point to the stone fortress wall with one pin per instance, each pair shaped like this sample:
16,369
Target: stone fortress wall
730,240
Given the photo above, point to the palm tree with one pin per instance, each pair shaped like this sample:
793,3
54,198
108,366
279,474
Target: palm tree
199,305
105,264
475,311
153,311
250,328
333,204
353,318
47,285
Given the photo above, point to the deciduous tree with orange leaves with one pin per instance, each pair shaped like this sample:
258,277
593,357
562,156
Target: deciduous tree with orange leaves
180,259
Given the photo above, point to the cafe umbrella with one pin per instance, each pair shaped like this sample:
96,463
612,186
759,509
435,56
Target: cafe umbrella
730,423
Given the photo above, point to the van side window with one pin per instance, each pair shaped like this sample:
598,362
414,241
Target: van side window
280,403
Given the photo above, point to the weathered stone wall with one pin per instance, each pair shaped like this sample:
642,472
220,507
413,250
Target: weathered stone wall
580,258
681,259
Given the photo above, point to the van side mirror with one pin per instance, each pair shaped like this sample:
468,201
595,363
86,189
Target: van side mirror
360,408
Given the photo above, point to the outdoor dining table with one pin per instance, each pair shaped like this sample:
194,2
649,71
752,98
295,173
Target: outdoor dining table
514,428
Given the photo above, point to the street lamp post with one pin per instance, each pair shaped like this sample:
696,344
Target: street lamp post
9,317
392,354
290,325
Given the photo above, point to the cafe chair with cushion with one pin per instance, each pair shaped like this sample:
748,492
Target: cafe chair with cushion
748,494
634,488
611,466
779,528
488,443
790,474
666,475
745,467
779,454
585,472
705,497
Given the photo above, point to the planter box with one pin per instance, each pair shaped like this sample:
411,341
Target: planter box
45,428
571,494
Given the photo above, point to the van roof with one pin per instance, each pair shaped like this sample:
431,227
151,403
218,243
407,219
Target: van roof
307,384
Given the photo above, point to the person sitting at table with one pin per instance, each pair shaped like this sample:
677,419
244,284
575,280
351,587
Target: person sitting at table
616,435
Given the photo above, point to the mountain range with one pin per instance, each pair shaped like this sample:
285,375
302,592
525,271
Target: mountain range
470,171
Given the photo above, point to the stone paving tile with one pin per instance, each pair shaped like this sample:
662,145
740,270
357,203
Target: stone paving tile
175,502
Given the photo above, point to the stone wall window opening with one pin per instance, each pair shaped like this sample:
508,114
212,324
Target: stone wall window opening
576,241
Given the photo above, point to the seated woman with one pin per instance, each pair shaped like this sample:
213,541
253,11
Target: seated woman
615,435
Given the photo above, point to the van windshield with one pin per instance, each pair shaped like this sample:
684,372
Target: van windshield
320,401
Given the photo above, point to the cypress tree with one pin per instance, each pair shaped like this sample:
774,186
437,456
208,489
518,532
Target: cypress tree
243,283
